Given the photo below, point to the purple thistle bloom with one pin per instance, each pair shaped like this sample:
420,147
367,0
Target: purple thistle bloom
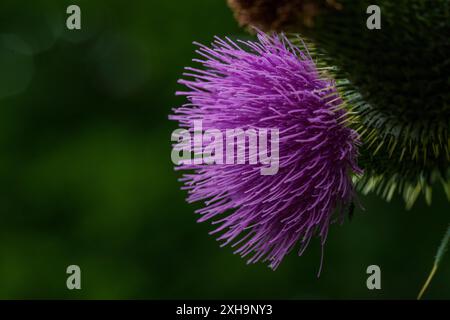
269,84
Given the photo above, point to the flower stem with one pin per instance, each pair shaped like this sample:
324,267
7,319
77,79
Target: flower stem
437,260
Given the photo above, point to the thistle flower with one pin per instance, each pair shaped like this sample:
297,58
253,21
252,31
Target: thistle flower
270,84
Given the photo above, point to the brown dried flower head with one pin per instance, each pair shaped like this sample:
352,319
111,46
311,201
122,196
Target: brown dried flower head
278,15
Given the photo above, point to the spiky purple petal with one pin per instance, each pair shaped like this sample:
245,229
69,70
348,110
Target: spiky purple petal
269,84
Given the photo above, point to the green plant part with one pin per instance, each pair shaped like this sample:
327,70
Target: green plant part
393,161
399,87
437,261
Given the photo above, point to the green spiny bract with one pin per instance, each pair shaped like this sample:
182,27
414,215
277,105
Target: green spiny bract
399,90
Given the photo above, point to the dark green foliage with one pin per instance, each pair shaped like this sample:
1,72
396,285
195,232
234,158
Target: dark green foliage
400,89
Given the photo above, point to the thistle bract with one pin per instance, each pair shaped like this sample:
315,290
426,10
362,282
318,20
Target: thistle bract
269,84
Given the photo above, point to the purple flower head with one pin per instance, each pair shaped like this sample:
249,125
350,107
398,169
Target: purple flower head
269,84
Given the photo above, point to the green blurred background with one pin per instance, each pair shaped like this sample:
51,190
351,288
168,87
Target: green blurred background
86,175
